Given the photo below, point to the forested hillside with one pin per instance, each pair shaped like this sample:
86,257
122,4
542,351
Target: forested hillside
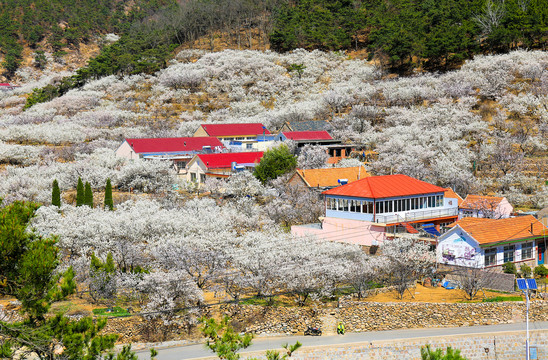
435,35
438,32
53,25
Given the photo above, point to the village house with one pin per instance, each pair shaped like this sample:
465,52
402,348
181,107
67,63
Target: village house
240,137
337,152
221,165
373,209
489,243
309,125
324,179
178,150
485,207
303,138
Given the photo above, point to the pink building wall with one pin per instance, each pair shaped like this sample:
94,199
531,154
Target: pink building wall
357,232
505,209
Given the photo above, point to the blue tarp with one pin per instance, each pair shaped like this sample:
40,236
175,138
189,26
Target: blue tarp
431,229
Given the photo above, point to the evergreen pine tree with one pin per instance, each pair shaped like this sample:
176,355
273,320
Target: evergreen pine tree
80,193
108,196
88,195
55,194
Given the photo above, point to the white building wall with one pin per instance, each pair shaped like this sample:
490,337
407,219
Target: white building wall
125,151
197,168
457,248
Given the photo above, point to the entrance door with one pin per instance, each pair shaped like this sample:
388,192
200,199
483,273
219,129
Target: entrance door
541,252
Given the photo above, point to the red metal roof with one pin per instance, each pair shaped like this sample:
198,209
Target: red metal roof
166,145
235,129
225,160
4,84
386,186
307,135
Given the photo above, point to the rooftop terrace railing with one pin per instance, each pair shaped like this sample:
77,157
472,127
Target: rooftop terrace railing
416,215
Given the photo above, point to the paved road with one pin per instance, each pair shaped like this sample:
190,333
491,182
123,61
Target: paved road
259,344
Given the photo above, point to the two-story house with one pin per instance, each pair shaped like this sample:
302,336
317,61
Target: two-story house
373,209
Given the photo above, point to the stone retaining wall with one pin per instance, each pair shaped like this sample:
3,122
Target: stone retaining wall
370,316
500,346
357,316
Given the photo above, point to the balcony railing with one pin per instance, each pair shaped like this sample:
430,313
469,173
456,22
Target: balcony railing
416,215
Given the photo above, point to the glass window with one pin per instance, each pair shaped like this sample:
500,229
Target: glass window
353,205
526,251
344,204
389,203
490,257
202,178
509,253
407,204
430,201
378,207
192,176
249,146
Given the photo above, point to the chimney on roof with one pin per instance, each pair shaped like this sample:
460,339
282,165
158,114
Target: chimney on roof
532,228
184,143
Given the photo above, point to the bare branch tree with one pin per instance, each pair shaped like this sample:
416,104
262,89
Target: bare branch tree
473,279
491,16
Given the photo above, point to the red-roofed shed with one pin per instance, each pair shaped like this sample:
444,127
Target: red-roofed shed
221,165
225,160
232,130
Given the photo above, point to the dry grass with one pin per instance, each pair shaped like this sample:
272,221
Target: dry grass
431,294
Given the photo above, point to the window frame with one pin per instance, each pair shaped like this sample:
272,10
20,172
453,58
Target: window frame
507,250
490,257
528,247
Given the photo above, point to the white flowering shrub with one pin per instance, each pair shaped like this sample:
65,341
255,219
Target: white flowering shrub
312,157
19,154
146,176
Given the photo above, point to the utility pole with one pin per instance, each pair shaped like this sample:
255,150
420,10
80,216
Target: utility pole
525,285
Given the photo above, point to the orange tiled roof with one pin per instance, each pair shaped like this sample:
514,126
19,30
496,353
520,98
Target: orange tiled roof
449,193
478,201
488,231
329,177
470,221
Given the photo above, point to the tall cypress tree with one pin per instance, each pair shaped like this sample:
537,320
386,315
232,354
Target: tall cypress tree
80,193
88,195
108,196
55,194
